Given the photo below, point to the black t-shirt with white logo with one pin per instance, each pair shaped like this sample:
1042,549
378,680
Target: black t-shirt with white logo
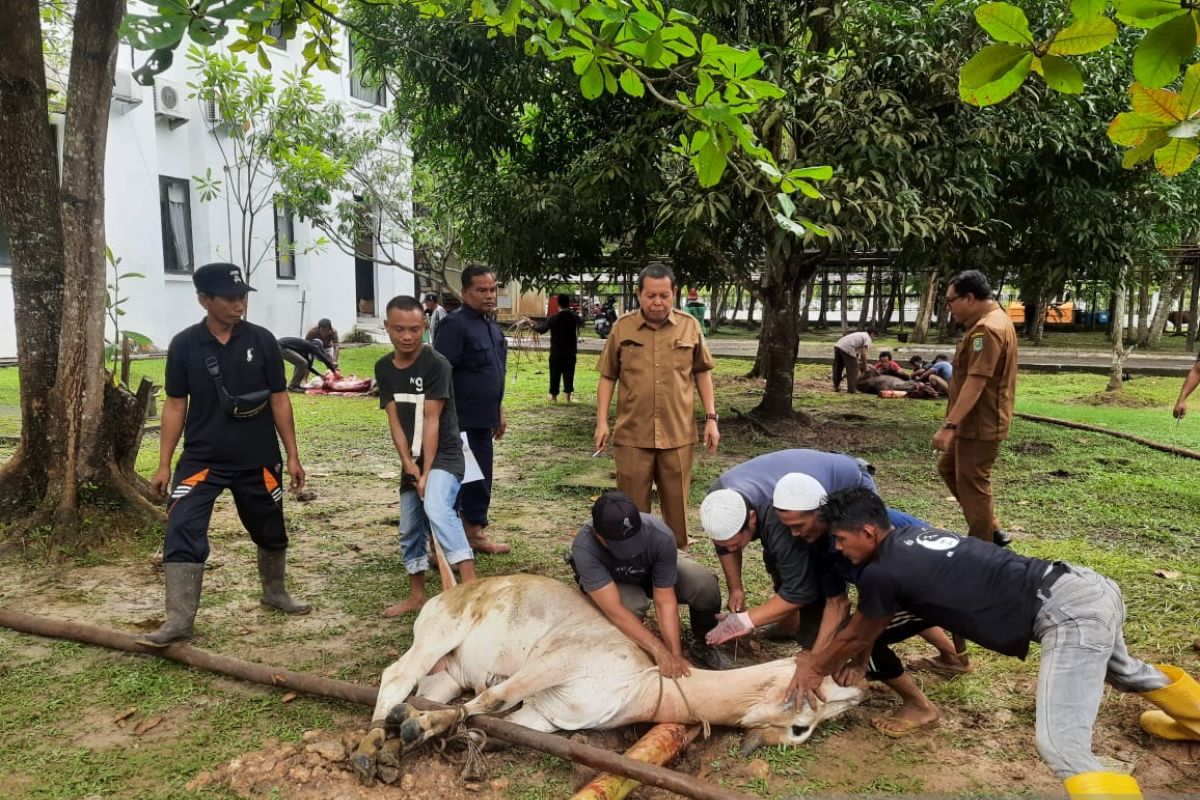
248,362
968,586
655,567
427,378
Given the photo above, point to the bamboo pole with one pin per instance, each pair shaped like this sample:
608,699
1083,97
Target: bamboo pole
661,745
182,653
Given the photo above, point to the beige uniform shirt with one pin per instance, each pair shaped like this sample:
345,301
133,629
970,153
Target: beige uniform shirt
988,349
655,371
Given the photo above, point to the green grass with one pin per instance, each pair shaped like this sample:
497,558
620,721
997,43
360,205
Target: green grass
1122,509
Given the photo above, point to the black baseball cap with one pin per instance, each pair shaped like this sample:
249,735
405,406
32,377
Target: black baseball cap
222,279
617,521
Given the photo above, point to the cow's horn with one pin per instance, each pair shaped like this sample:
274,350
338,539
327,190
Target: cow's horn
753,741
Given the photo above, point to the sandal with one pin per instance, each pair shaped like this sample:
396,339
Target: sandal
934,664
903,727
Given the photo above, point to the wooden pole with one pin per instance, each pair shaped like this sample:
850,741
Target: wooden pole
182,653
661,745
1082,426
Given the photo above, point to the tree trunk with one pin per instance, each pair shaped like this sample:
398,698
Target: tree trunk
1169,295
76,427
888,307
1143,306
805,304
845,302
925,308
1119,353
903,294
823,312
864,313
779,340
1192,308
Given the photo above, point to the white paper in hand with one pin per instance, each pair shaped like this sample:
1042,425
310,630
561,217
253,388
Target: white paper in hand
472,472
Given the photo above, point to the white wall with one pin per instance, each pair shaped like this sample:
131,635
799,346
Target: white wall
141,147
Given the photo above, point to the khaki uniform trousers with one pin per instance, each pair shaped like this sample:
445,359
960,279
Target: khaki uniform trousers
966,467
668,470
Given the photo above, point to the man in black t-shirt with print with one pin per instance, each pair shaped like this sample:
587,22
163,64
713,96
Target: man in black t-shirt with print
416,390
226,395
625,558
1003,602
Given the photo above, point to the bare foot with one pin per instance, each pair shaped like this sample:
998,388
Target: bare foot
569,400
413,603
480,543
553,398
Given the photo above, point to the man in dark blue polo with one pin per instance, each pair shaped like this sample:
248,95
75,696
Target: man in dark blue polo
227,396
475,347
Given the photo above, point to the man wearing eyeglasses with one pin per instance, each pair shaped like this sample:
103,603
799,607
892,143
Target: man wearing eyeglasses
227,396
982,390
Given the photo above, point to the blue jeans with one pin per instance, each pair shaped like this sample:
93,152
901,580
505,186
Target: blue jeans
436,513
1083,648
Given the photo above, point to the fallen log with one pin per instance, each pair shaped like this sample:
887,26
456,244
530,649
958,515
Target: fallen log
1083,426
661,745
564,748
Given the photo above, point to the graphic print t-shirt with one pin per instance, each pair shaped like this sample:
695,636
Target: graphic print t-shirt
427,378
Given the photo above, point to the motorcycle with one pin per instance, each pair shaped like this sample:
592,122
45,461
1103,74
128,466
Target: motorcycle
605,319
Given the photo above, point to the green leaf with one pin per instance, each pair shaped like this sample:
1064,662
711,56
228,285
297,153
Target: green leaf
1005,23
1176,156
592,82
821,173
1153,141
1157,104
554,30
1148,13
1086,36
993,74
1061,75
1159,54
632,84
1083,9
654,49
785,204
808,190
1189,95
1130,129
710,164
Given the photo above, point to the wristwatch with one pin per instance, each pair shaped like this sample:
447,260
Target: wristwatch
950,426
713,417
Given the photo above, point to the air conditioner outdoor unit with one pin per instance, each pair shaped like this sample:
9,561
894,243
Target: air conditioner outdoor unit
169,99
126,92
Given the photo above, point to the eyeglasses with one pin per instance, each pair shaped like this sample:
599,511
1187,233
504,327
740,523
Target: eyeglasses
950,300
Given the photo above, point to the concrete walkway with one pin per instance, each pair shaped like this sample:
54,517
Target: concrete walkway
1034,359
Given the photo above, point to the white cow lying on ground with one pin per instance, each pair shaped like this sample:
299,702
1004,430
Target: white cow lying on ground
538,642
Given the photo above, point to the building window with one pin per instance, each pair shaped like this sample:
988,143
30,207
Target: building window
5,245
175,207
367,88
275,31
285,240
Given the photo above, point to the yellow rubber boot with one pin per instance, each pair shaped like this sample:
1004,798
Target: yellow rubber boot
1179,700
1102,786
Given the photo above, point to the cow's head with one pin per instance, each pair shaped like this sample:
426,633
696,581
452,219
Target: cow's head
771,722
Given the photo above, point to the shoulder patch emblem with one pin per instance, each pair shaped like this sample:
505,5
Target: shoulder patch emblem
977,343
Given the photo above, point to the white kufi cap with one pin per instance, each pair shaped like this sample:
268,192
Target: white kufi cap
799,492
723,514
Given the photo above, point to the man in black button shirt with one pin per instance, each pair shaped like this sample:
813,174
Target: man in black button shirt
475,346
226,394
301,353
1004,601
564,327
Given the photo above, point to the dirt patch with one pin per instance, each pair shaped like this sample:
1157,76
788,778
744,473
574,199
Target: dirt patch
1113,400
1033,448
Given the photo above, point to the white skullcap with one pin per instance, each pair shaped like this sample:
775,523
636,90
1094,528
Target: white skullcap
798,492
723,514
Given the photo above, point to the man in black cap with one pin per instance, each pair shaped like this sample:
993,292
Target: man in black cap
301,353
226,394
623,559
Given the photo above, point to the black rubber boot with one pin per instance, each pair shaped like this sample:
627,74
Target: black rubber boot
1002,538
272,566
183,598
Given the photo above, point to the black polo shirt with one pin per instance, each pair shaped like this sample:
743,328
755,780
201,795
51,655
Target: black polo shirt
477,350
308,349
249,362
968,586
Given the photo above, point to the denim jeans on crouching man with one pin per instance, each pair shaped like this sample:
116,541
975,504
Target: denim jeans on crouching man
1083,647
437,513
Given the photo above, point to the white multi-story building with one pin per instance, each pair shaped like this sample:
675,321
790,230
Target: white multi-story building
156,223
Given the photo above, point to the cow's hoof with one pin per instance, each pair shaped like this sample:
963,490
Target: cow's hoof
399,713
411,732
389,756
363,759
